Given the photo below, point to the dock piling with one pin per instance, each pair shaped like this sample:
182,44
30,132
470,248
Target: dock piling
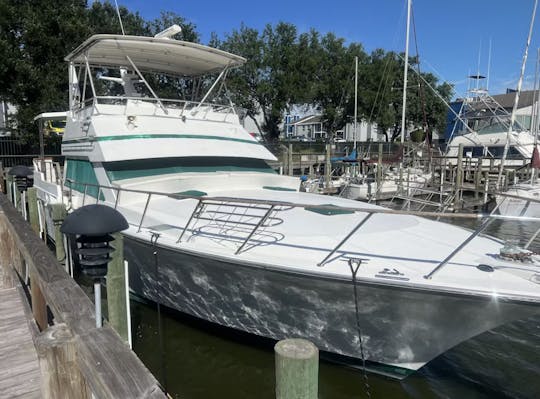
59,213
33,209
297,369
116,289
60,374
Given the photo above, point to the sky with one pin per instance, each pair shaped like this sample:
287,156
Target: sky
453,37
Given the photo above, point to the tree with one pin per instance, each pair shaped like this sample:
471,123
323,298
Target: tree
379,96
274,76
334,81
36,35
383,93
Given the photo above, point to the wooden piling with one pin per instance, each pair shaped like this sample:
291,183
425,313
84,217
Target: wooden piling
2,178
60,374
379,176
39,305
9,189
327,169
109,368
290,160
477,178
458,179
297,369
116,289
58,212
33,215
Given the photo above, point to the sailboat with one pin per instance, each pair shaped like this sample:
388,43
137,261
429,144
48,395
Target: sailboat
215,233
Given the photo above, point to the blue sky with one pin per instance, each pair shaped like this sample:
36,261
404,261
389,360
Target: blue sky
451,34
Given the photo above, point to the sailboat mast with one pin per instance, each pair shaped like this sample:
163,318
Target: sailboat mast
516,100
355,99
405,70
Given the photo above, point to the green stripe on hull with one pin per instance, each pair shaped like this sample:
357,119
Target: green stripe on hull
158,136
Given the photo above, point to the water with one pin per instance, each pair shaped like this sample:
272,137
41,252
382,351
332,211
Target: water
205,362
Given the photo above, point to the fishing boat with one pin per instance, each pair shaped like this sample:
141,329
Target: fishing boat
485,124
215,233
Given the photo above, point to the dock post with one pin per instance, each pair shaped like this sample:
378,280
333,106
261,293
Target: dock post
379,176
33,209
290,167
39,305
458,178
7,247
297,369
327,169
60,374
116,289
59,213
9,189
477,178
2,179
486,186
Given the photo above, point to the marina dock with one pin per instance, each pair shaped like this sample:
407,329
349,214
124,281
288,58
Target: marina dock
55,350
19,366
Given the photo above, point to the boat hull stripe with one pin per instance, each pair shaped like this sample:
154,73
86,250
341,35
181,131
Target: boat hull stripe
158,136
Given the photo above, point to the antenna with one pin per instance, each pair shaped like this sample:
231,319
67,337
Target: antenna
169,32
478,66
119,18
489,66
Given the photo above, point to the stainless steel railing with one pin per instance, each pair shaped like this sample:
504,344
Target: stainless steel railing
208,111
269,207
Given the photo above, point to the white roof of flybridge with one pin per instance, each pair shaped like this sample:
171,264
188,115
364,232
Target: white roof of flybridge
152,54
51,116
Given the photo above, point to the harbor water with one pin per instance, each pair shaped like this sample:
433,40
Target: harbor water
197,360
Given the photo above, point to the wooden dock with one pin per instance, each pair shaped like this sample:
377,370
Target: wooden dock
19,366
55,349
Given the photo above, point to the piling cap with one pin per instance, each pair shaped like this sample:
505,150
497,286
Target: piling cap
94,220
20,171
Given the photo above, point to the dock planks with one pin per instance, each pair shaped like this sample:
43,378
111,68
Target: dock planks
19,367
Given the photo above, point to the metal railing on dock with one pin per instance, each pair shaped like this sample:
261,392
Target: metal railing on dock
81,360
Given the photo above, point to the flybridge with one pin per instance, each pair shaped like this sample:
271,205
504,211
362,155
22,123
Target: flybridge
153,54
186,62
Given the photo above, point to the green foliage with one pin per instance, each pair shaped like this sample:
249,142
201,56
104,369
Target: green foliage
417,136
283,68
36,35
333,81
274,76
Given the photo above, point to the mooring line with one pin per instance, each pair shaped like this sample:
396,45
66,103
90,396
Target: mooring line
354,264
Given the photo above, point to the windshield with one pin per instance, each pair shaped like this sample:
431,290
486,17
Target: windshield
58,124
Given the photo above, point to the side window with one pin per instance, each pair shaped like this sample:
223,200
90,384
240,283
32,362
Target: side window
80,176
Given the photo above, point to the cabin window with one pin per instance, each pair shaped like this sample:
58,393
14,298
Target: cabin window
121,170
82,174
493,152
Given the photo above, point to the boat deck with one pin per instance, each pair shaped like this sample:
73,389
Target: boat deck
397,250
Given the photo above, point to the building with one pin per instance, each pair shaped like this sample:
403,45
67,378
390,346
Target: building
308,128
364,132
288,124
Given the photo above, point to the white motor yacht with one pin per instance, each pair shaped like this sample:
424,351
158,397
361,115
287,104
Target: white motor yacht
483,131
238,245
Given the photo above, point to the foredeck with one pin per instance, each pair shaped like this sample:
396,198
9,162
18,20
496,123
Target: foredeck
395,250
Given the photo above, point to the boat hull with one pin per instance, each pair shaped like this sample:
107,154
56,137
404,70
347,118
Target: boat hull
402,329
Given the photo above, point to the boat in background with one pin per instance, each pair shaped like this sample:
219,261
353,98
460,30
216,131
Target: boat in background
215,233
485,134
